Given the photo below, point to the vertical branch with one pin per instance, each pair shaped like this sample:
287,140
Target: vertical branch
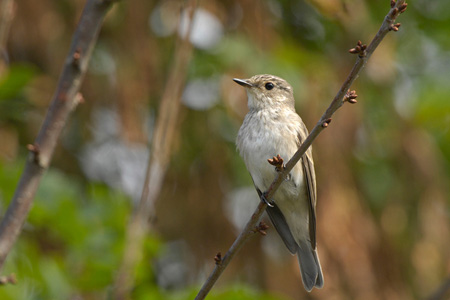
7,8
63,102
6,16
165,129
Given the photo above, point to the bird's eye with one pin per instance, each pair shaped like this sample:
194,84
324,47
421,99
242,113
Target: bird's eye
269,86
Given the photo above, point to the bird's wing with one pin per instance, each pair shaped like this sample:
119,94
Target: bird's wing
310,181
310,178
278,220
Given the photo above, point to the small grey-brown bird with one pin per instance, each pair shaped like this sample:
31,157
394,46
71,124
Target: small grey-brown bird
271,128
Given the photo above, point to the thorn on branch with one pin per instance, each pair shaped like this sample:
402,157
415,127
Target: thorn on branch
394,27
350,97
218,258
261,228
76,58
326,123
394,12
34,149
360,49
277,161
79,98
8,279
403,7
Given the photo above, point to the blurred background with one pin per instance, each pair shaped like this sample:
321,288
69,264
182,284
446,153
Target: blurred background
383,165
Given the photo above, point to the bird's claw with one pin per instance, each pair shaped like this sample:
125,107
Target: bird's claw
264,199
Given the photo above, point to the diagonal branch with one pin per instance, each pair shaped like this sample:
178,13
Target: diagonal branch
63,102
344,95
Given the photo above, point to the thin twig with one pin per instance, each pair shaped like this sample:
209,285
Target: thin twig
165,129
63,102
343,95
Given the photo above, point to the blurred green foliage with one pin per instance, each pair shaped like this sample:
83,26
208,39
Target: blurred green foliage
72,240
12,100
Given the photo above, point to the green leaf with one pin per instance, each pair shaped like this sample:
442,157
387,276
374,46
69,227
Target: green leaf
15,80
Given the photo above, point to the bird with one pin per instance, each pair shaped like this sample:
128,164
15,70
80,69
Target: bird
272,128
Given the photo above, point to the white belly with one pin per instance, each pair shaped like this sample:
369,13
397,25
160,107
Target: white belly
260,144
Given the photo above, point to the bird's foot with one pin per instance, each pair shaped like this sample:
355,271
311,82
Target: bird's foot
264,199
277,161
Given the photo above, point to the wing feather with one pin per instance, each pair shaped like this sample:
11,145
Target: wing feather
310,182
280,224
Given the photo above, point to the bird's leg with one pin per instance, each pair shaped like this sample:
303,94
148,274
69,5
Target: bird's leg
264,199
277,161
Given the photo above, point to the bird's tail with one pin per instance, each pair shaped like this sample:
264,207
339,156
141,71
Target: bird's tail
309,266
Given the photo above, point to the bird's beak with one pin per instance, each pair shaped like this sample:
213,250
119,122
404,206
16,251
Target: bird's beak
243,82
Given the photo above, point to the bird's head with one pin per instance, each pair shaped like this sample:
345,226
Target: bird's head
267,91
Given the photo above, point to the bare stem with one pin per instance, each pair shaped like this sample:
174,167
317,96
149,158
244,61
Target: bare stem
364,54
165,130
6,14
7,8
64,100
